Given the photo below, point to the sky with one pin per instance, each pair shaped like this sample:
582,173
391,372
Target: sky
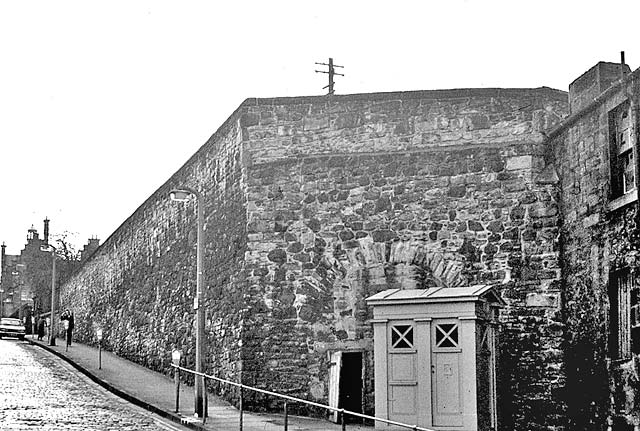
101,102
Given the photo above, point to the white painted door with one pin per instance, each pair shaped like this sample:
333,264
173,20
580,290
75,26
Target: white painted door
402,391
446,382
334,383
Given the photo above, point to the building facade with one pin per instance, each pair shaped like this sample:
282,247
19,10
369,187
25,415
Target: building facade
25,278
595,153
313,204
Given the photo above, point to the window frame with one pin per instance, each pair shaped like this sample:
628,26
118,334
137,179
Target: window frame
622,152
624,314
443,335
394,346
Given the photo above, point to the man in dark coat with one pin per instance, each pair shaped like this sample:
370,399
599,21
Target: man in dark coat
41,325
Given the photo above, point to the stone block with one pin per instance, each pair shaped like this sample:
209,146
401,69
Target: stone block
477,121
519,163
591,220
249,119
547,300
315,123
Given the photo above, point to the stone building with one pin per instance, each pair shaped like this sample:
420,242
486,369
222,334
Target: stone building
312,204
26,278
89,248
595,153
9,287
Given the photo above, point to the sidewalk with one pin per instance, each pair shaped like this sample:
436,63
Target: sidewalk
156,392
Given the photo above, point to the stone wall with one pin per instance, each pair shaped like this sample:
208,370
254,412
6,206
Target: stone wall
596,239
352,195
139,285
593,82
314,204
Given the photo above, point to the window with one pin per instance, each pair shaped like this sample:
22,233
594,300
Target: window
623,171
447,335
624,315
402,337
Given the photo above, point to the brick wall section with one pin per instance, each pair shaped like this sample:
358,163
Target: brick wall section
594,241
349,196
140,284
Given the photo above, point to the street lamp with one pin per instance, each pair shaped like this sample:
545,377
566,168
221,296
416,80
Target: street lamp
50,248
182,195
1,303
99,337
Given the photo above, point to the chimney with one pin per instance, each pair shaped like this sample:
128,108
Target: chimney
32,234
46,230
593,82
89,249
3,261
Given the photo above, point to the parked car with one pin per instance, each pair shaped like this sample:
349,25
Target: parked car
12,328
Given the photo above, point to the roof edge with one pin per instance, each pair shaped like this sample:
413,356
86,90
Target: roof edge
597,101
408,95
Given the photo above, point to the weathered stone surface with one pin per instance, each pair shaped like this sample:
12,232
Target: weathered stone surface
278,255
519,162
407,190
593,243
547,300
139,285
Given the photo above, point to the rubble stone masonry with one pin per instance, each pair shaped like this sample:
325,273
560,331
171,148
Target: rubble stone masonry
139,286
599,235
314,204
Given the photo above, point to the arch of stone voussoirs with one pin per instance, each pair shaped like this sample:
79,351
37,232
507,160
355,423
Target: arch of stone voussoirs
444,268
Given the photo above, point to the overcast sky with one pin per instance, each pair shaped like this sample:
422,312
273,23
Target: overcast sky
101,102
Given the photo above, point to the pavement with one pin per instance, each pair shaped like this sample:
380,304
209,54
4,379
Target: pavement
39,391
156,393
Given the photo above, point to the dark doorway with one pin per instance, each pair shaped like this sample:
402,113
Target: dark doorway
351,385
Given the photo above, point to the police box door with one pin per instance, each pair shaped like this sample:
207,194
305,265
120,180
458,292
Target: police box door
402,390
446,391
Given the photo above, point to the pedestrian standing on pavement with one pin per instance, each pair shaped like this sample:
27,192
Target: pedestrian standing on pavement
70,329
41,324
68,316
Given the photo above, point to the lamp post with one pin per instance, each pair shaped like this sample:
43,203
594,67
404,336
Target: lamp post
182,195
52,334
1,302
99,337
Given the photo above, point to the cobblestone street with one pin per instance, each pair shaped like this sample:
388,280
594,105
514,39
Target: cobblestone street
40,391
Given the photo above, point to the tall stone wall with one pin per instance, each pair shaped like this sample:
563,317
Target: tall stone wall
139,285
352,195
314,204
597,237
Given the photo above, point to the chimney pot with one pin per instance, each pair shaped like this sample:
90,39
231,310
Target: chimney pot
46,230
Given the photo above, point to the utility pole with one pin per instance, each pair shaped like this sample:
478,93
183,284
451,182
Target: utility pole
332,72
